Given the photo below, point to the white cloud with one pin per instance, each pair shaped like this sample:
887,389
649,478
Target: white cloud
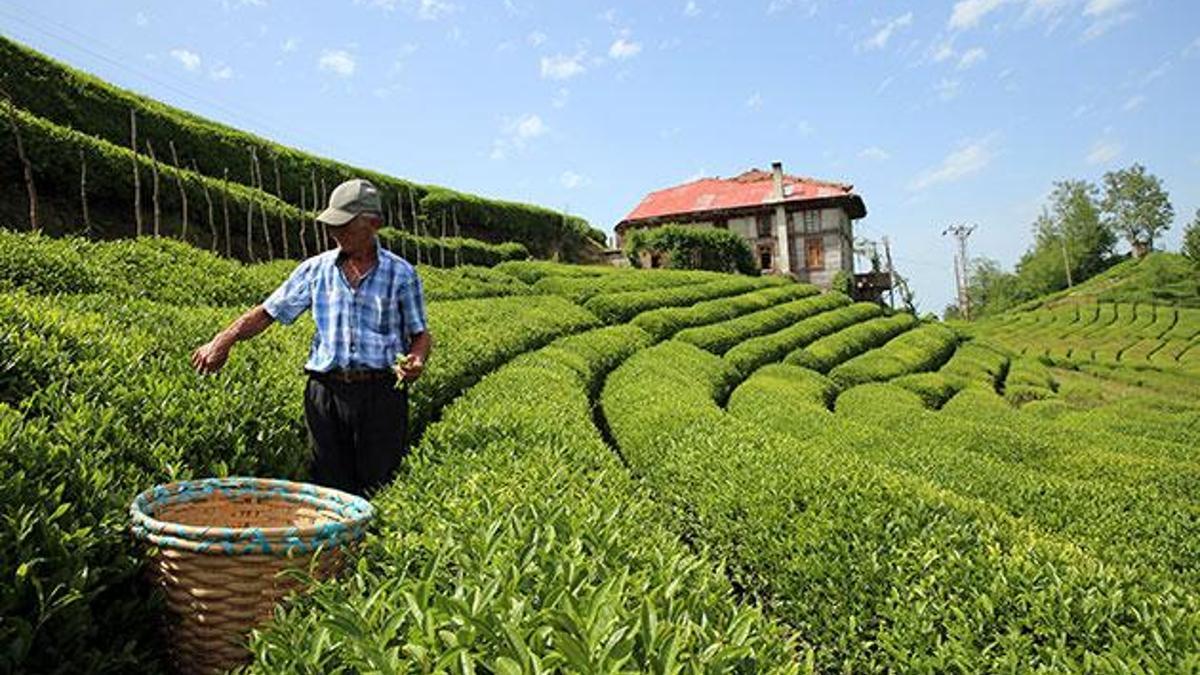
536,39
887,82
943,52
968,13
1101,7
875,153
755,101
560,99
562,67
1104,151
336,61
1105,23
971,57
775,6
968,159
1133,103
529,126
141,20
222,73
428,10
189,59
880,39
691,9
1192,48
572,180
947,89
516,134
290,45
624,49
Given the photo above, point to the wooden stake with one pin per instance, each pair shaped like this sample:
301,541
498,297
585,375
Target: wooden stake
137,181
179,182
212,225
87,221
416,220
225,211
458,236
283,234
257,183
316,205
303,223
154,169
30,189
324,230
403,233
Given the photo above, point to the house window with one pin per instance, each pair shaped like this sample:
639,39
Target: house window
812,221
814,253
764,258
764,224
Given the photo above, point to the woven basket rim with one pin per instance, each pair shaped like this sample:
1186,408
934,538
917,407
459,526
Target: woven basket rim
242,540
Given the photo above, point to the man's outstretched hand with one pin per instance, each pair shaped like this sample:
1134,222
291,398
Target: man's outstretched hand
209,358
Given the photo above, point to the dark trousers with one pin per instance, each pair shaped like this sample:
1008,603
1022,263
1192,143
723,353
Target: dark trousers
358,430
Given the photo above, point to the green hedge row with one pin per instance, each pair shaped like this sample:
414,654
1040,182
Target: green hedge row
723,336
924,348
1067,481
532,271
621,306
170,271
667,321
449,251
54,154
95,108
580,289
828,317
1028,380
827,352
879,571
516,542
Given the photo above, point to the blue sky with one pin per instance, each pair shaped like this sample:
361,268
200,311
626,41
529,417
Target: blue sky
937,112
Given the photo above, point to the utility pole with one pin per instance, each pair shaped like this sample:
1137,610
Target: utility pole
961,232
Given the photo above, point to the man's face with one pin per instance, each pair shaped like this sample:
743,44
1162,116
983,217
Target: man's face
357,235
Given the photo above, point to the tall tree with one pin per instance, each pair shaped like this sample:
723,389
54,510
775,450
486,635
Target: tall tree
1071,242
1191,239
1136,205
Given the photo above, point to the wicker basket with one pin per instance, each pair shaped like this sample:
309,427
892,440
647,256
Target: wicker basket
217,547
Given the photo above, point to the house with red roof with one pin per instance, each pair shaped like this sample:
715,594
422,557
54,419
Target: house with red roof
794,225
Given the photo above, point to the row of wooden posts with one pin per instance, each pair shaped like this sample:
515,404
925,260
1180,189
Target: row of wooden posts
320,234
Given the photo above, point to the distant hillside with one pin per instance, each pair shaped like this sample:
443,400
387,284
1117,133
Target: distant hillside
1159,278
56,104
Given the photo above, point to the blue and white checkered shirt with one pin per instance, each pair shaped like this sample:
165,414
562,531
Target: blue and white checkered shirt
363,328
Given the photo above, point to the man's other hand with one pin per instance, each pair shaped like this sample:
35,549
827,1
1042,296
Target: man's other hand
410,368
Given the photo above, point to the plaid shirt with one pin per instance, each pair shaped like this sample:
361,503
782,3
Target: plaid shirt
363,328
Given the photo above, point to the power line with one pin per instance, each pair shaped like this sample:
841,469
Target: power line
25,14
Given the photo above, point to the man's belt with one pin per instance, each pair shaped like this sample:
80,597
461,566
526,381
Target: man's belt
355,376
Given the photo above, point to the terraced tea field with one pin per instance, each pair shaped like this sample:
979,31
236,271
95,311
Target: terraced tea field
622,471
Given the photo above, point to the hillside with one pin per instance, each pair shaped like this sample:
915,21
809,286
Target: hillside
77,132
638,470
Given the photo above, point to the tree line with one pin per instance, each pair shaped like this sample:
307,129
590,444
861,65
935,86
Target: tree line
1076,237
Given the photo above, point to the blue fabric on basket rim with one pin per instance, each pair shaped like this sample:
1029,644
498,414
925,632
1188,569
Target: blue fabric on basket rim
353,514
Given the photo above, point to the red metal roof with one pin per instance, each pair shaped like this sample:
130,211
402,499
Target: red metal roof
751,188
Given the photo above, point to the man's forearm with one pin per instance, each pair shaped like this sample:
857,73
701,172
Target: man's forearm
421,342
246,326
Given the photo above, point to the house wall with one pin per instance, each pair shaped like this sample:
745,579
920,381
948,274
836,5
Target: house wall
835,231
